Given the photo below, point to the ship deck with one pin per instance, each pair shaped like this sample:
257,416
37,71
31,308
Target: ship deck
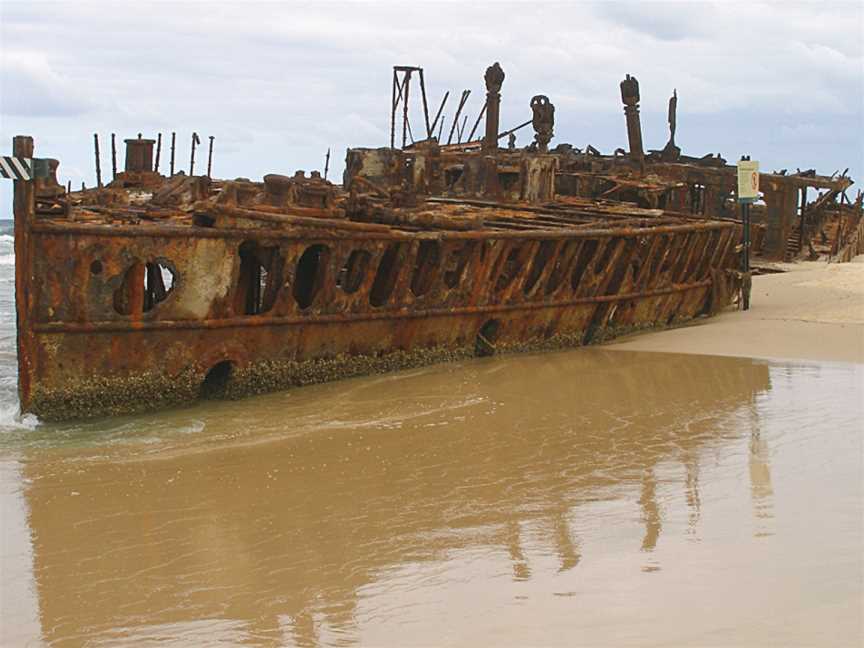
458,218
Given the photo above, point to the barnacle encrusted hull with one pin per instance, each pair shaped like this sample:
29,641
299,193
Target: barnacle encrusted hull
170,366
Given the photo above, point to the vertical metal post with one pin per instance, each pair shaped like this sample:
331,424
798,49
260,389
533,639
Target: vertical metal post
494,78
173,140
462,100
113,157
438,114
407,86
69,187
192,157
158,151
393,111
745,260
327,164
425,105
98,168
803,217
477,123
745,216
210,157
24,212
630,99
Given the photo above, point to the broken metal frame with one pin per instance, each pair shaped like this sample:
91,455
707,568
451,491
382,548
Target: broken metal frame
400,97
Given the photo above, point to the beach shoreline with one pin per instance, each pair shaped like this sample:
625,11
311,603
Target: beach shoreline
812,311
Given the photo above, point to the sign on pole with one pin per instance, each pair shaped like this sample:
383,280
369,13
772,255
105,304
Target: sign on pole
21,168
748,181
16,168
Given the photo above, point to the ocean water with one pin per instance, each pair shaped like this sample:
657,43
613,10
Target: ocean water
590,497
8,362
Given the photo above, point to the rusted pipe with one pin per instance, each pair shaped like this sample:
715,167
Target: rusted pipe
630,98
113,157
195,140
494,79
98,167
425,105
259,320
477,123
513,130
331,232
210,157
158,151
405,109
462,100
438,114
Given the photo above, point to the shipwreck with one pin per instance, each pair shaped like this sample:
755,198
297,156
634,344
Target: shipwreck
154,289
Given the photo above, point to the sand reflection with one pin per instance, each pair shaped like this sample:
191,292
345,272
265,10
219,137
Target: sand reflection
284,538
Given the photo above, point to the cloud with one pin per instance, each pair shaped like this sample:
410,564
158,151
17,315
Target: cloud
671,21
29,86
278,84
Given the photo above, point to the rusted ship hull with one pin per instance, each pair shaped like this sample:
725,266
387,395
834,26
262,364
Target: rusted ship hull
449,296
154,290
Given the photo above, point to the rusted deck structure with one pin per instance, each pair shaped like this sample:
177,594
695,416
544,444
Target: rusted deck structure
155,290
799,213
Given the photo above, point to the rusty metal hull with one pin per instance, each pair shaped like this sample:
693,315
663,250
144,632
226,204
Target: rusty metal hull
419,298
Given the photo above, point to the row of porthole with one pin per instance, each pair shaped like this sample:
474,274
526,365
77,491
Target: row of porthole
310,265
428,261
158,277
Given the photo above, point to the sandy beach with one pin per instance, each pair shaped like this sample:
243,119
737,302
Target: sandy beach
813,311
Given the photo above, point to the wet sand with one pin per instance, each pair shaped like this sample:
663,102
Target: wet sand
815,311
594,497
589,497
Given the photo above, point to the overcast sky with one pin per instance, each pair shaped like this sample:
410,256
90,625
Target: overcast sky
279,83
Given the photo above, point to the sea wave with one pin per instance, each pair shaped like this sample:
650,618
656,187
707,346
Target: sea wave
6,238
7,259
11,418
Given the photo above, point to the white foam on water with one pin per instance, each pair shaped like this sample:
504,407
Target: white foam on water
193,428
11,418
6,238
7,259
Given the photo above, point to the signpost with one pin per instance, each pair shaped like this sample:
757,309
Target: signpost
23,168
16,168
748,192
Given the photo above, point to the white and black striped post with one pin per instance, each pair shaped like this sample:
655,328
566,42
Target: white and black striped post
16,167
23,168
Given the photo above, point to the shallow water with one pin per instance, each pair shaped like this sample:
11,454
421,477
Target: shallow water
591,497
